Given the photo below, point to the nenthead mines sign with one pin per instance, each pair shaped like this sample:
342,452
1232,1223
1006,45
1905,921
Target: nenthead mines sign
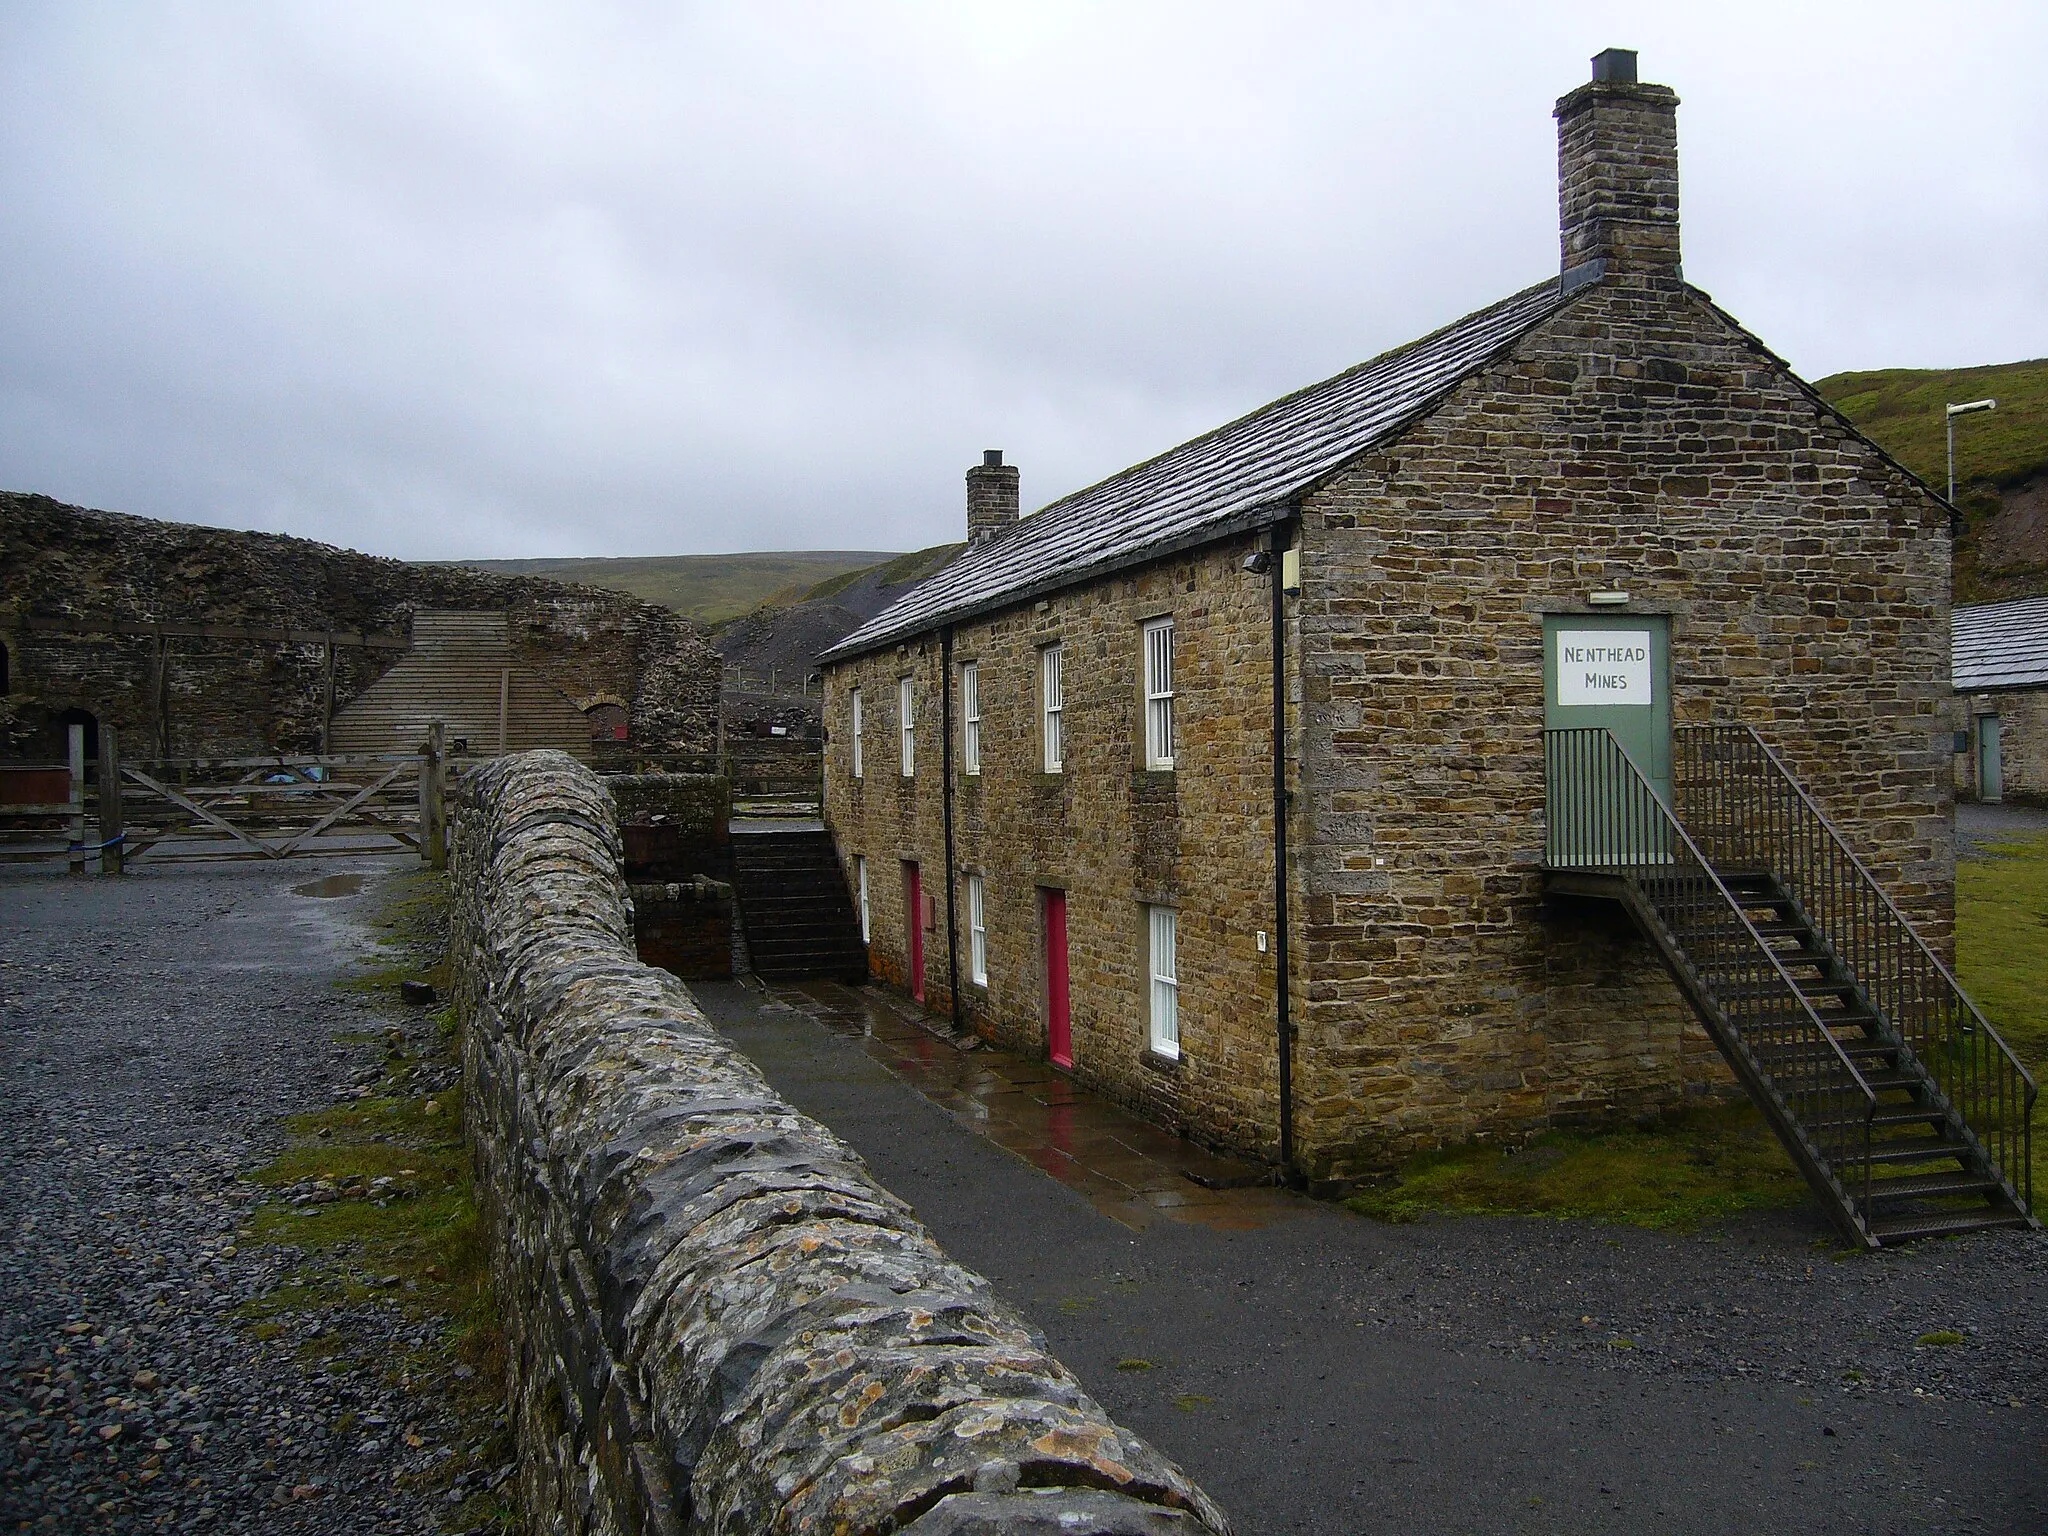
1603,666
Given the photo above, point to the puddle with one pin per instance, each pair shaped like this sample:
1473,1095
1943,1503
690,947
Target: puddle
333,885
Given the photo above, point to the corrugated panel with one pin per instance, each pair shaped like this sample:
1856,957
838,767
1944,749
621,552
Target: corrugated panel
452,674
1240,475
2000,645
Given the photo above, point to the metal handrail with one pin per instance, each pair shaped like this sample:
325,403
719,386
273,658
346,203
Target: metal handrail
1754,807
1604,815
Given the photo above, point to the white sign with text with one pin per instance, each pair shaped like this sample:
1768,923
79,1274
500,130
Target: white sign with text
1603,666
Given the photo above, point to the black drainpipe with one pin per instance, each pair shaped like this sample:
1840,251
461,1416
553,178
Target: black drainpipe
1283,1027
946,805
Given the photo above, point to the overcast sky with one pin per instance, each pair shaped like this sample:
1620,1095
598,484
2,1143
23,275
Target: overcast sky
498,279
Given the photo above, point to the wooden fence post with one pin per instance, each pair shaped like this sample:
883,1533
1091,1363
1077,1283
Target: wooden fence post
75,860
433,801
111,823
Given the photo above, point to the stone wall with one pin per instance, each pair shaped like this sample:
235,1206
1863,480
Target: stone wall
233,697
1639,441
716,1320
1109,833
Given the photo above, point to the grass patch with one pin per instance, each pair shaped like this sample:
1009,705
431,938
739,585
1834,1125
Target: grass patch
396,1223
1941,1338
2002,952
1702,1165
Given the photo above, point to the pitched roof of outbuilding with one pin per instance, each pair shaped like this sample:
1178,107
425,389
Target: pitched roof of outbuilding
1242,475
2000,645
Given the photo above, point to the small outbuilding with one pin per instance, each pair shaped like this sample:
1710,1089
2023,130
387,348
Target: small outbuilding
1543,724
2001,679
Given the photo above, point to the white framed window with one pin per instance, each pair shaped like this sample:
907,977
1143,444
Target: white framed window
858,724
977,933
1159,742
1163,924
860,883
906,724
1053,698
970,717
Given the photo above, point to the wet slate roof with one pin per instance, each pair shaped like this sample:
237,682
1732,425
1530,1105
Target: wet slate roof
2000,645
1243,475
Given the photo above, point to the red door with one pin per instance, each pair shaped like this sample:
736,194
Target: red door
913,914
1059,1030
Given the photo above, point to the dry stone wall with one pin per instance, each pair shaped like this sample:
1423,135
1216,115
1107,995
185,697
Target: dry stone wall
716,1320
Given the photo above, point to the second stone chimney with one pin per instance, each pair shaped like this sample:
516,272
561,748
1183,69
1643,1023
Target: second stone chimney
991,498
1617,175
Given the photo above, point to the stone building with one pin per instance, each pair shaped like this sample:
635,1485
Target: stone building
1053,769
201,642
2001,682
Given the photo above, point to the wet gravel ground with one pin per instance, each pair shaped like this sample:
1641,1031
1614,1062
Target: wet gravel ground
153,1030
1327,1373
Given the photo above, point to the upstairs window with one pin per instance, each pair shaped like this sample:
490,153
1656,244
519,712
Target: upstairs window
977,933
1163,924
970,717
858,723
1159,742
1052,692
906,720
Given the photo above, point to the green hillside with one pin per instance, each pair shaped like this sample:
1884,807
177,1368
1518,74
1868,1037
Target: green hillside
1901,409
708,588
2001,461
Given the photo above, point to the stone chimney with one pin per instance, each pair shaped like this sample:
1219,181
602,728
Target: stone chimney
1617,176
991,498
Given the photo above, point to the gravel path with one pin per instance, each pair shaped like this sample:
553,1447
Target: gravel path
1330,1374
153,1030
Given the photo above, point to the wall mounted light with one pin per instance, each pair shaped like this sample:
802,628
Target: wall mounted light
1608,599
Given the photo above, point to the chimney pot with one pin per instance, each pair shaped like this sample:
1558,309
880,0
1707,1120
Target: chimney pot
1616,65
992,503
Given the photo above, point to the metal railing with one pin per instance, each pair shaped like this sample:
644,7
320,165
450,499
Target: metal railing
1736,797
1605,818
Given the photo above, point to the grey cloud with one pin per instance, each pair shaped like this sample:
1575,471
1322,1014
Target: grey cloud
499,280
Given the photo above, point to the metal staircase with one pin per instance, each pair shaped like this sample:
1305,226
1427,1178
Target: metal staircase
1907,1113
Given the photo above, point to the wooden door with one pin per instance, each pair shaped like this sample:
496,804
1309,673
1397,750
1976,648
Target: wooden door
913,917
1608,673
1059,1029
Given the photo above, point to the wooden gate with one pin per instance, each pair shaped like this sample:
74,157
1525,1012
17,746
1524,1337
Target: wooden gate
241,808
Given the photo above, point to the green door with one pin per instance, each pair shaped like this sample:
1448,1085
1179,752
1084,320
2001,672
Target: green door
1609,672
1990,760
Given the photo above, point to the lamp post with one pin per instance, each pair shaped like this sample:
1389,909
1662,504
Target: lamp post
1953,412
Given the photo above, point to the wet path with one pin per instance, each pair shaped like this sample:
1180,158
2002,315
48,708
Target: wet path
1322,1373
1131,1172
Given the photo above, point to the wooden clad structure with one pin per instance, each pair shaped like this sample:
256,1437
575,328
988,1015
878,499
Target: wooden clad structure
461,671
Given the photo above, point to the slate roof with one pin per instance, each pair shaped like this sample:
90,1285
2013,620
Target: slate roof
1243,475
2000,645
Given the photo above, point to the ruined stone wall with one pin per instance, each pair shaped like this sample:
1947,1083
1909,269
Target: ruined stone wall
1111,834
231,697
716,1321
1638,441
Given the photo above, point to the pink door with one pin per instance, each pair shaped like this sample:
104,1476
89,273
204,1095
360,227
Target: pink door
1059,1031
913,914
